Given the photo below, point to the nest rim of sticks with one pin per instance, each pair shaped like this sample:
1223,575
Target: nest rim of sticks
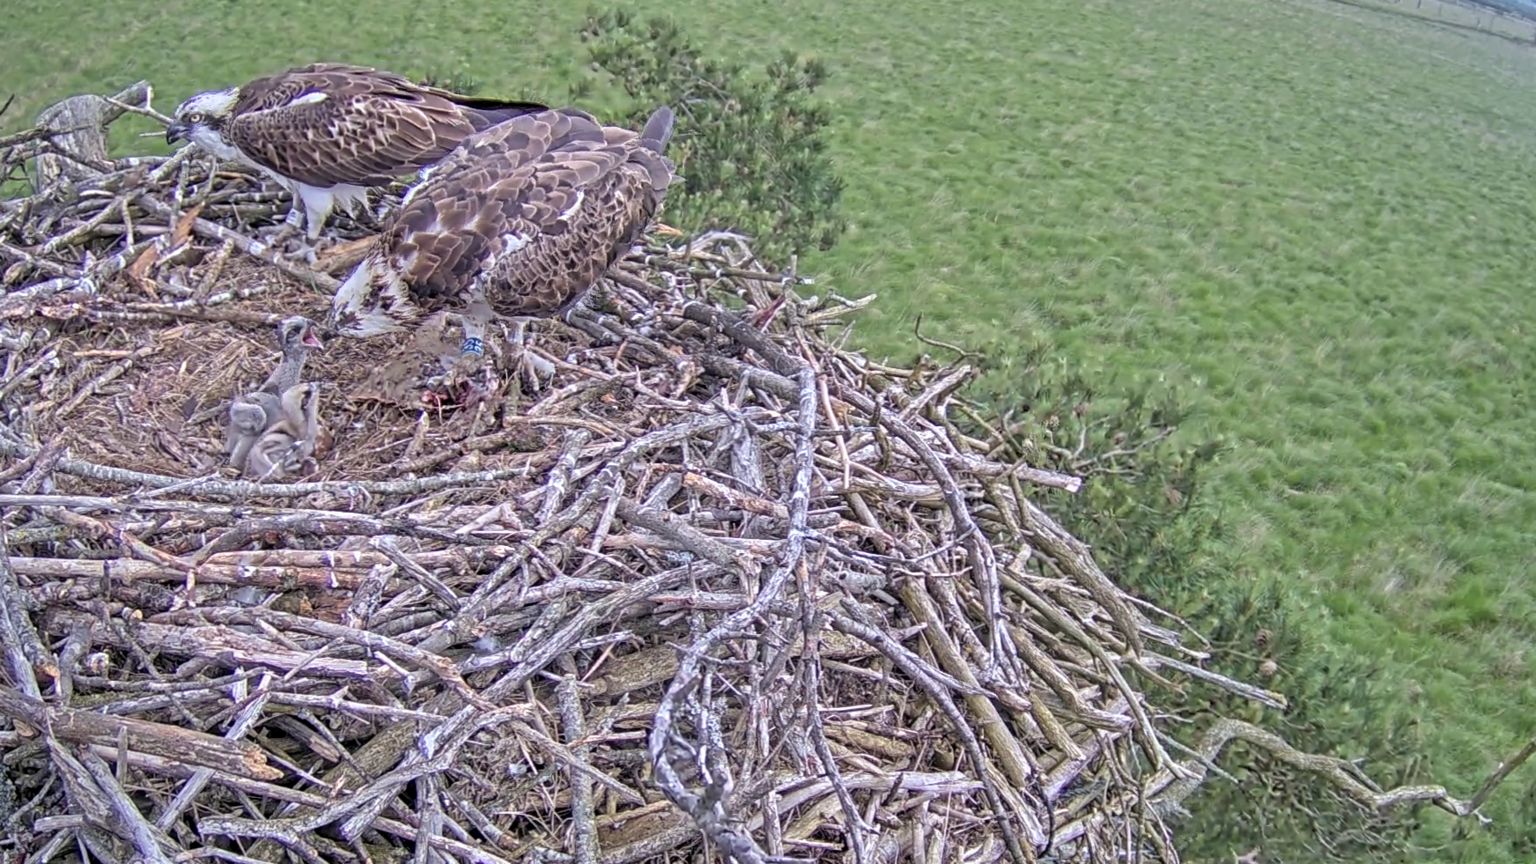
723,577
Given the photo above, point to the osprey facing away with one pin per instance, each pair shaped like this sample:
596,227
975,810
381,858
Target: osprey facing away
519,222
328,131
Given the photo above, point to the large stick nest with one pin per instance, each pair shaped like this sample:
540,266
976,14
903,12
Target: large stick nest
721,582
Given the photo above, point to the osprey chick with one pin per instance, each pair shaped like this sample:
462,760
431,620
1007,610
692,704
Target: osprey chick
519,222
329,131
250,414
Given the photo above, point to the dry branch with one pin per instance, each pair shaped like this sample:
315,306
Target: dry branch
89,727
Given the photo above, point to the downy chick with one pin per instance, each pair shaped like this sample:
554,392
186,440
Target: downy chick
288,443
296,336
251,413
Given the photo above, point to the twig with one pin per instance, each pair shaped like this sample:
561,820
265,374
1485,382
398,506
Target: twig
1339,772
917,333
573,726
172,742
214,231
244,489
25,653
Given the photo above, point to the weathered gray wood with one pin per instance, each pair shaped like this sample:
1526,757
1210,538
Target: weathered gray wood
80,127
188,746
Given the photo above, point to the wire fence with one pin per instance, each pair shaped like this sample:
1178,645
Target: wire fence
1463,15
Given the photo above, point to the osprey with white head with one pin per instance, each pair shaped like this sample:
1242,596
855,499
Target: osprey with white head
328,132
519,222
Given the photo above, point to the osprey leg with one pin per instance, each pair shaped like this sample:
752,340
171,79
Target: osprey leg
527,361
474,334
468,380
317,208
474,325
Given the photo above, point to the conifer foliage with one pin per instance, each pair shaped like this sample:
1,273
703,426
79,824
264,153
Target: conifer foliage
750,146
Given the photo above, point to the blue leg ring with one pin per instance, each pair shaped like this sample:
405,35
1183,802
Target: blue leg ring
472,345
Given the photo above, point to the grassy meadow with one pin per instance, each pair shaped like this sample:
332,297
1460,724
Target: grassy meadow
1312,219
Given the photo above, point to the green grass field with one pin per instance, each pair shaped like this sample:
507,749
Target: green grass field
1314,220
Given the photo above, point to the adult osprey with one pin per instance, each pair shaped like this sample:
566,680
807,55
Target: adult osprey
519,222
329,131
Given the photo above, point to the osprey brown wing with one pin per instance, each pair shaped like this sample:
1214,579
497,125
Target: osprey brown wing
513,143
466,210
333,125
580,215
523,218
275,91
532,212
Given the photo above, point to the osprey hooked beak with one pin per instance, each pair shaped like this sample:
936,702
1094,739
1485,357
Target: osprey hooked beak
177,131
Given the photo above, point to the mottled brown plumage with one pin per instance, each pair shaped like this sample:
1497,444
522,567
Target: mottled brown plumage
525,216
336,128
373,126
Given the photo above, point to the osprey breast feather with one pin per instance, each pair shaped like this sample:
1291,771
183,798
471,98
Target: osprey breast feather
520,221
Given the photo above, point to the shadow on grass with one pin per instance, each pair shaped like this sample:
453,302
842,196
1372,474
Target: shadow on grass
1436,22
